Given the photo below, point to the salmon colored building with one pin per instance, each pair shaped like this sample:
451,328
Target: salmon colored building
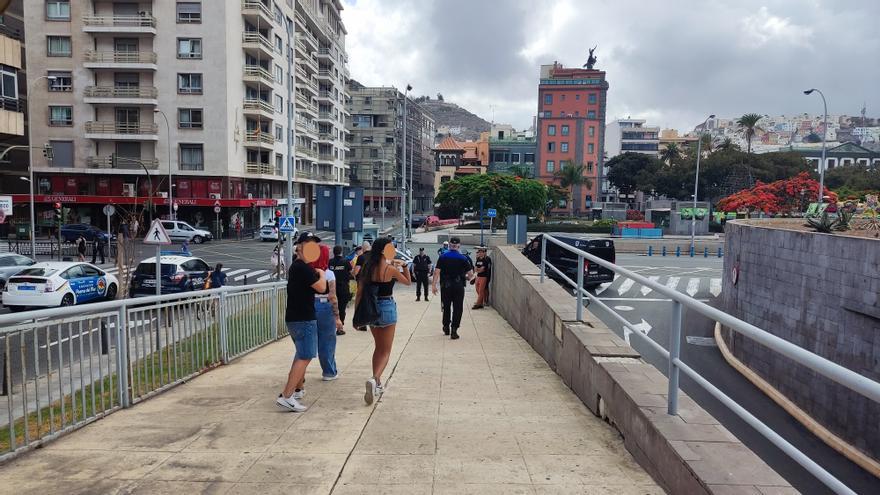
571,126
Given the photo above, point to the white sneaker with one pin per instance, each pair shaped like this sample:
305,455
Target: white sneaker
380,389
371,392
329,378
299,394
290,404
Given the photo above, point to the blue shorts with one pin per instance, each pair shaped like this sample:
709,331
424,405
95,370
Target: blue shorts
387,313
305,338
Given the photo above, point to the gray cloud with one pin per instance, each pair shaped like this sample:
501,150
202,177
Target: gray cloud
670,62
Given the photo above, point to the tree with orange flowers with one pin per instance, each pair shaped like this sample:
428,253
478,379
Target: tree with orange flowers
779,197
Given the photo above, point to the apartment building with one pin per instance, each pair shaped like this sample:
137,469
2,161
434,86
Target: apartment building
511,151
631,136
140,95
376,148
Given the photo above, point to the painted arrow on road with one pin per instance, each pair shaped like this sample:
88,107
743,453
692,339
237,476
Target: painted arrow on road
602,288
715,286
693,287
644,327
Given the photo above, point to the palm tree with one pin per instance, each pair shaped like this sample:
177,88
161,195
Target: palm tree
707,144
571,177
749,125
728,145
671,153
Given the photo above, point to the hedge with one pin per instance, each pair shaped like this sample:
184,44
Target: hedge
568,228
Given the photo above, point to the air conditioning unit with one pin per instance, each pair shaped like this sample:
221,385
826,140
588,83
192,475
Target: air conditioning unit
214,195
128,190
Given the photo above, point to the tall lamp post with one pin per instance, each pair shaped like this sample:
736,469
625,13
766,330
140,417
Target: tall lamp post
31,167
403,190
382,149
824,134
697,183
168,142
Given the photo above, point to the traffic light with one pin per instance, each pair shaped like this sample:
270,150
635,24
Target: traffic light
58,218
277,217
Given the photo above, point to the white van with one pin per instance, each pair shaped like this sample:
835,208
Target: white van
182,231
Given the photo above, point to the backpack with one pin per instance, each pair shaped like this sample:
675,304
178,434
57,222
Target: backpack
367,310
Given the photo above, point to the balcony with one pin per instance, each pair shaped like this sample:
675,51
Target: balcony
120,24
256,106
256,12
260,168
306,152
120,60
257,74
309,63
112,95
256,42
325,74
325,95
259,139
311,87
122,131
326,157
325,137
311,108
305,127
326,54
325,116
307,37
302,48
123,163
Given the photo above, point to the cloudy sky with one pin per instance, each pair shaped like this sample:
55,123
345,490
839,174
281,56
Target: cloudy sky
672,63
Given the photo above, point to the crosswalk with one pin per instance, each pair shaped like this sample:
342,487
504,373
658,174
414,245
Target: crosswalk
627,288
237,276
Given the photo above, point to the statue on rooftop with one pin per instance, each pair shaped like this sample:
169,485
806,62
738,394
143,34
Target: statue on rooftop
591,61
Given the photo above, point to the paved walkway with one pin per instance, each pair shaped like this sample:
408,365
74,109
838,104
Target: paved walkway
483,414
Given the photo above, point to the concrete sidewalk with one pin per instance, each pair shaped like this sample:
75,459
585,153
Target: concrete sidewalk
483,414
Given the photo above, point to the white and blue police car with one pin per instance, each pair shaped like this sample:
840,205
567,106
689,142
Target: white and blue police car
58,283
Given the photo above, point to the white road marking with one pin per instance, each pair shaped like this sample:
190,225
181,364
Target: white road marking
701,341
643,327
234,272
693,287
641,299
250,274
624,308
672,282
264,278
625,286
715,286
647,290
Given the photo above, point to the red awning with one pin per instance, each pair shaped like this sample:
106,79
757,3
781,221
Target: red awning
130,200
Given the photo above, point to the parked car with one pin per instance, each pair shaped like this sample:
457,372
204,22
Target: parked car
180,273
417,221
58,283
269,232
10,264
566,261
70,232
182,231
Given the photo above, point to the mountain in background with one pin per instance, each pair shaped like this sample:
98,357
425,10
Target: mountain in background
452,120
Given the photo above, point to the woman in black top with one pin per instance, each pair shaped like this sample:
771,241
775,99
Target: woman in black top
383,273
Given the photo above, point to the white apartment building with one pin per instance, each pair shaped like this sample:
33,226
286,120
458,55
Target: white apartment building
631,135
114,70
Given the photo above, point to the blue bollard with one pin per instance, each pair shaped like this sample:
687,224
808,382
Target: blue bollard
664,250
677,251
719,252
705,252
650,250
691,251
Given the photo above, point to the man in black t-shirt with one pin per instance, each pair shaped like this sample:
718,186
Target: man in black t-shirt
452,271
421,268
483,268
303,282
341,267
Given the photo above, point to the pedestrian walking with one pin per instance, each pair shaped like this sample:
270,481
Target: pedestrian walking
356,272
452,271
303,282
134,228
98,248
217,278
341,269
483,269
184,248
277,261
443,249
380,272
421,267
81,247
327,316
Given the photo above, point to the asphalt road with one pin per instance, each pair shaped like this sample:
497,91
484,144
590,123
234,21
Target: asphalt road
653,315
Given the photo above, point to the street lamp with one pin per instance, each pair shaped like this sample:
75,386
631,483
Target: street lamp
31,167
382,149
168,140
403,190
824,133
697,183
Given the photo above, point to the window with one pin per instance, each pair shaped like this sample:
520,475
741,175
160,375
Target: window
189,48
362,120
546,115
58,46
564,130
562,97
577,96
279,164
589,166
63,81
530,157
189,12
548,98
592,131
279,104
551,130
551,146
279,74
61,116
592,98
279,133
279,45
189,84
591,114
62,154
550,165
514,157
8,82
590,148
190,118
374,153
192,157
563,147
58,10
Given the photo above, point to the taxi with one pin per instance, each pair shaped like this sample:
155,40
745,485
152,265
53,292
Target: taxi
58,283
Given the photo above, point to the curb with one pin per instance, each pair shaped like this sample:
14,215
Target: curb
835,442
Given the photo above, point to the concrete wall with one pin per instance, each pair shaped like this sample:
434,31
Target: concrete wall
820,292
683,453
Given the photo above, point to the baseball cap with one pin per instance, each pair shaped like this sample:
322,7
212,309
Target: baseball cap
454,240
306,237
481,248
421,249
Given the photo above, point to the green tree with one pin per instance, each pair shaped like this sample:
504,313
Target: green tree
555,194
727,145
748,124
572,177
671,154
630,172
523,171
505,193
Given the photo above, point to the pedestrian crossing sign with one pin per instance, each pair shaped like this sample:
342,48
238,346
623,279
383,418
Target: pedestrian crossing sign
156,234
287,224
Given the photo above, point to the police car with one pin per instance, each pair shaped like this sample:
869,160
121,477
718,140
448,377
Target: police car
180,273
58,283
269,232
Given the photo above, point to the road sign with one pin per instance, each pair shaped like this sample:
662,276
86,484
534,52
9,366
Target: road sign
5,207
491,213
287,224
156,234
216,209
109,210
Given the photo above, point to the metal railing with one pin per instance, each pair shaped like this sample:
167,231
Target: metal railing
820,365
50,248
257,39
128,21
121,92
256,5
259,72
259,105
65,367
259,137
324,73
127,163
260,168
93,127
120,57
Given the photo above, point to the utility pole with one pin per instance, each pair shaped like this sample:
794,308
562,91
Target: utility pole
403,190
291,136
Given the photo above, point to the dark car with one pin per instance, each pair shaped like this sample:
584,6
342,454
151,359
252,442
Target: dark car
70,232
179,274
566,261
10,264
417,221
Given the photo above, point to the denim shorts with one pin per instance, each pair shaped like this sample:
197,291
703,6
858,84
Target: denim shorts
305,338
387,313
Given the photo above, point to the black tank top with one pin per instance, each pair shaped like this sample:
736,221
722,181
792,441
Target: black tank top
385,289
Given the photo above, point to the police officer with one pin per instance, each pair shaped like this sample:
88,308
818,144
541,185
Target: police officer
453,271
421,267
341,268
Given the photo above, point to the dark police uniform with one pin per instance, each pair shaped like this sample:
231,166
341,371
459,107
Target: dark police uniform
341,267
453,267
421,267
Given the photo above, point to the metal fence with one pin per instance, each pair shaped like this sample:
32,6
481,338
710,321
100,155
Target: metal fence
824,367
50,248
63,368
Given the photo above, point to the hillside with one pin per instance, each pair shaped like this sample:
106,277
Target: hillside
462,124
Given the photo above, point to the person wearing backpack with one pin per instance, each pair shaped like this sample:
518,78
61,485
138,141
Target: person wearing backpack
453,270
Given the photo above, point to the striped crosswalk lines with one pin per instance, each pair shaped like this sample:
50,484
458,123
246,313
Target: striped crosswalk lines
691,286
233,274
